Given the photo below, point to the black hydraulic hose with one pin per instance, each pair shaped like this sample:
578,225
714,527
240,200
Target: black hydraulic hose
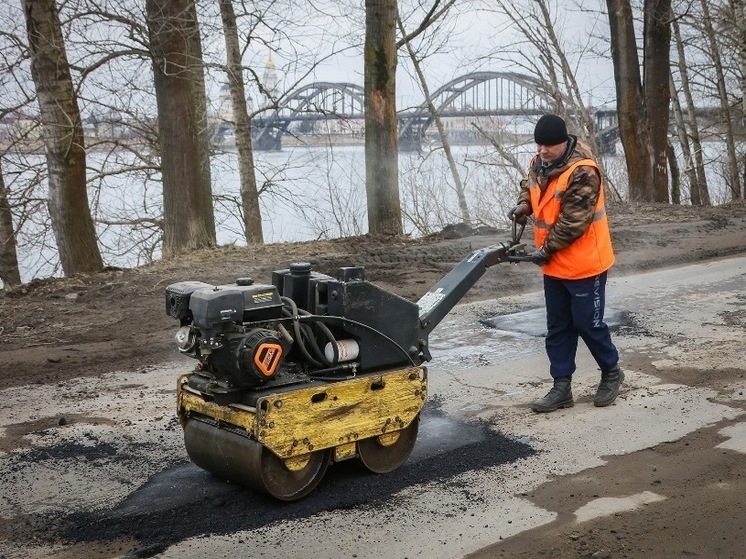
311,340
298,315
295,311
296,328
370,328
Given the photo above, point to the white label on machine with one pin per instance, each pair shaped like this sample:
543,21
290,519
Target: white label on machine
429,300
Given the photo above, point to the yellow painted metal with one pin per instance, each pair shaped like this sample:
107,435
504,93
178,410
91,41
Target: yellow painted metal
387,439
337,415
345,452
340,413
188,402
297,463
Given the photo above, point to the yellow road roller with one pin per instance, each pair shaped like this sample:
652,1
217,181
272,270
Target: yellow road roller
307,370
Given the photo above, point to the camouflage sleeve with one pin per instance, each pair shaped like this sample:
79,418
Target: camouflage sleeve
524,197
577,209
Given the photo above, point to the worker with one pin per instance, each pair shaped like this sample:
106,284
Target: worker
564,193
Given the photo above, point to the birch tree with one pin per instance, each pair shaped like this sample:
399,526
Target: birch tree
690,128
732,178
242,126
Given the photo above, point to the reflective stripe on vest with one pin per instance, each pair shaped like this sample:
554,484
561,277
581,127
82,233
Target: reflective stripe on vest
587,256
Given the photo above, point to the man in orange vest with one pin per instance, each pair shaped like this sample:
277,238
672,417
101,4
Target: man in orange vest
565,194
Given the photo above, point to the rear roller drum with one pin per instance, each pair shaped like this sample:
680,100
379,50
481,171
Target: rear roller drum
246,462
385,453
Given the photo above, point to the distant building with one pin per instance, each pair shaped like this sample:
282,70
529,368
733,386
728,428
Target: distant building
225,104
270,81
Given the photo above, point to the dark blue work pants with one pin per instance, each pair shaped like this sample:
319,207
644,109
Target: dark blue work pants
575,308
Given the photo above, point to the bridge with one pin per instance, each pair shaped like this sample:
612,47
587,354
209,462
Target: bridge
491,100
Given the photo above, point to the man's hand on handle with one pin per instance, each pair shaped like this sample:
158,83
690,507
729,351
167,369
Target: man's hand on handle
519,213
539,256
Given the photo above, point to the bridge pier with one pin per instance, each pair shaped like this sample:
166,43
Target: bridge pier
266,142
410,143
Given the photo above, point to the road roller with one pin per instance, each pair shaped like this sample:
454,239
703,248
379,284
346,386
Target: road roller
307,370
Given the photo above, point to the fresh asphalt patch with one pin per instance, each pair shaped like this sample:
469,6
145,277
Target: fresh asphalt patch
184,501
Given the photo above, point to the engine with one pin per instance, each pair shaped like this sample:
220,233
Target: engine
304,325
230,329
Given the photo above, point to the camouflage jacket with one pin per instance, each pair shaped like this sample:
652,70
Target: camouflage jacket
579,201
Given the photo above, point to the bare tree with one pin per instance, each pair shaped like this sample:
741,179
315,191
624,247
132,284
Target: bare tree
732,177
541,52
63,136
242,127
657,89
176,48
635,121
699,189
435,12
381,125
739,8
686,151
9,273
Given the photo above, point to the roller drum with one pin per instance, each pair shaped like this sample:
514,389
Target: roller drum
244,461
385,453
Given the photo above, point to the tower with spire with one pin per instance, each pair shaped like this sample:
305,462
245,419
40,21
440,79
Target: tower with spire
270,81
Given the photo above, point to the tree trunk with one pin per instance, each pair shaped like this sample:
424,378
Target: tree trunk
739,6
740,16
189,222
633,129
703,194
732,176
242,124
9,273
675,176
657,90
459,185
686,150
381,126
69,209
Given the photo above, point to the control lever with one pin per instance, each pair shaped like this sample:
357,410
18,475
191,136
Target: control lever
518,249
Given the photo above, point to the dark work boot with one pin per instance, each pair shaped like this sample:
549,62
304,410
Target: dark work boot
608,388
560,396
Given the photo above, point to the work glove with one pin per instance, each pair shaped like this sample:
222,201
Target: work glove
539,257
519,213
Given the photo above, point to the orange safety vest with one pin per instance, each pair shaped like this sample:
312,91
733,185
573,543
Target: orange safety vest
587,256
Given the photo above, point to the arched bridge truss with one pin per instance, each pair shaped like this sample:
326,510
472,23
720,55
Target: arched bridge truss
306,106
476,97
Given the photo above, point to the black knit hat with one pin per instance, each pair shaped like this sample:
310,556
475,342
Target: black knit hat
550,131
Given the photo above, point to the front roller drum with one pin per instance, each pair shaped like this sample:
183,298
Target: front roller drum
244,461
385,453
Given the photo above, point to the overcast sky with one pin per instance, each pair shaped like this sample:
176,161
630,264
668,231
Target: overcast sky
303,32
482,40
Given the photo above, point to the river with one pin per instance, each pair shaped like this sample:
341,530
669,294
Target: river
306,193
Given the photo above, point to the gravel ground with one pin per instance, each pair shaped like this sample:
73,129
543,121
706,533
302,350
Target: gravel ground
92,461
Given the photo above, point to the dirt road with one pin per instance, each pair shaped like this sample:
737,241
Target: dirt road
92,463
